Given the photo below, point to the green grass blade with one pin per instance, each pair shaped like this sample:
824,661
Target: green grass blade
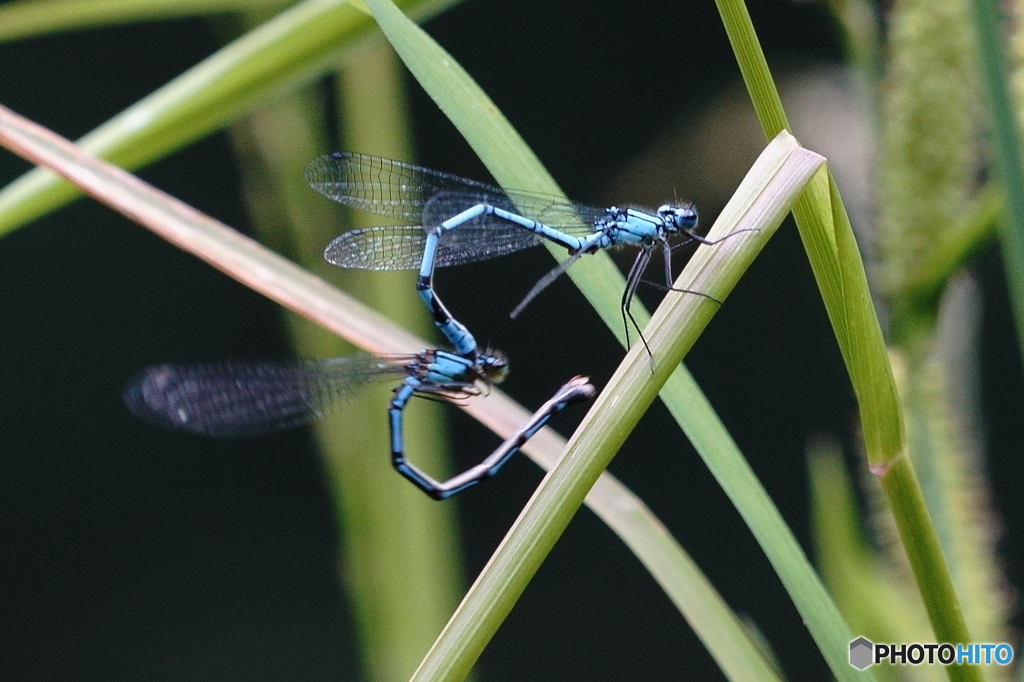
835,260
832,250
295,47
30,18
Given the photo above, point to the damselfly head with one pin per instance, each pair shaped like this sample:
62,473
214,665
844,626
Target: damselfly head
493,365
678,218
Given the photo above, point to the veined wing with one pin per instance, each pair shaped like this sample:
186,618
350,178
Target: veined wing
421,195
236,399
378,248
383,186
401,248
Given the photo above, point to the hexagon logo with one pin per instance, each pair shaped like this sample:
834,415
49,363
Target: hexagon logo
861,650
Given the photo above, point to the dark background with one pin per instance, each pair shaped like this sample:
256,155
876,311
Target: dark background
129,553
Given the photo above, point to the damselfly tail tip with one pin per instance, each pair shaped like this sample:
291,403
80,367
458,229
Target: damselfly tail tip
577,389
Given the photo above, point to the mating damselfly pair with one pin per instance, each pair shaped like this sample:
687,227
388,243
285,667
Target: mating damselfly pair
460,221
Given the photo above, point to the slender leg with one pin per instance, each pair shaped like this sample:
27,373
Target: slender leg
697,238
666,254
667,250
632,281
544,281
575,390
711,242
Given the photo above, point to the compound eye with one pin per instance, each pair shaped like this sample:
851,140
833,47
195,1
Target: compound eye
497,373
494,366
685,218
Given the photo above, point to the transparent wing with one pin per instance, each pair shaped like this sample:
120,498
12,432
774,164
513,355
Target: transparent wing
385,187
401,248
421,195
236,399
378,248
